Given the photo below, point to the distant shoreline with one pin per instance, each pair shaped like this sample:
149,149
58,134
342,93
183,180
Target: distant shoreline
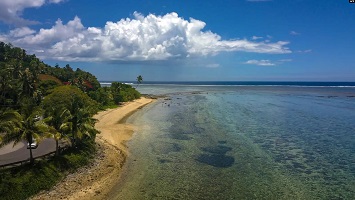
245,83
95,181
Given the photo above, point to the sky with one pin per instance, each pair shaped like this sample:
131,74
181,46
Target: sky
185,40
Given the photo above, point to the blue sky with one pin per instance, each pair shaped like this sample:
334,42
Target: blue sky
166,40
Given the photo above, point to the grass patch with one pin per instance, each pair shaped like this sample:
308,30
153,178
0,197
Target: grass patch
25,181
109,107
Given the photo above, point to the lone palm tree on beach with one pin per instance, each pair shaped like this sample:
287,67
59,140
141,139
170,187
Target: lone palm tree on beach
139,80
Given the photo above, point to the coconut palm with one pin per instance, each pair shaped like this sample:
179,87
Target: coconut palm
139,80
9,123
59,125
81,122
27,128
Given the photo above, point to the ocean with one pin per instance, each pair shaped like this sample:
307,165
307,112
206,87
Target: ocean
242,141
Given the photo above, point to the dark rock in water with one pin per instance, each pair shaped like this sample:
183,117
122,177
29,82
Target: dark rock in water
166,148
164,161
216,160
179,136
222,142
220,150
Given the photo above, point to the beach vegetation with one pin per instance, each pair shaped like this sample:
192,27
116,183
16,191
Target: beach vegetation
122,92
59,126
38,101
9,121
26,127
139,80
103,96
24,181
68,97
77,109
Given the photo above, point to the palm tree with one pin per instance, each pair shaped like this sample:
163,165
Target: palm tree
139,80
81,122
9,87
28,83
27,128
9,123
59,125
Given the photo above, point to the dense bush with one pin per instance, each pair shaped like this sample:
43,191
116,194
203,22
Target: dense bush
47,86
103,96
122,92
25,181
64,96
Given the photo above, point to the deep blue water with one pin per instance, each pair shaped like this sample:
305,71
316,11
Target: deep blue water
242,142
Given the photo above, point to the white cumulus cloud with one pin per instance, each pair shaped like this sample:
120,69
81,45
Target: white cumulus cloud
260,62
142,38
11,10
21,32
267,62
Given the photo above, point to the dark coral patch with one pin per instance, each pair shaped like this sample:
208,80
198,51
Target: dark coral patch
216,160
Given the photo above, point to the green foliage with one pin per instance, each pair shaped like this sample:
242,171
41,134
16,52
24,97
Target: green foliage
9,121
26,126
63,97
47,86
123,92
139,80
80,108
25,181
32,89
103,96
79,156
59,126
18,75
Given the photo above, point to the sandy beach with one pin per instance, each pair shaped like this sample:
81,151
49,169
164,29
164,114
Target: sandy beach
97,179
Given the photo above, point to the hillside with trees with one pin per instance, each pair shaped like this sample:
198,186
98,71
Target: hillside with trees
38,101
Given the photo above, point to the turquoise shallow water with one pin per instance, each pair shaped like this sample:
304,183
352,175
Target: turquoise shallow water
242,143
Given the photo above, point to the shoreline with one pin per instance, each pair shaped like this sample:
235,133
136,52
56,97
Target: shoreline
97,179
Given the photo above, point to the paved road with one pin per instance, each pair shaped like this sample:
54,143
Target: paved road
46,146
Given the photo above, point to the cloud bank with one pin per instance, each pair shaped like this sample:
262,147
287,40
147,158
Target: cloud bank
142,38
11,10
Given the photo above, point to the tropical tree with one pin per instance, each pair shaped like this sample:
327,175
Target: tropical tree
81,122
9,123
27,128
80,109
28,83
59,126
139,80
103,96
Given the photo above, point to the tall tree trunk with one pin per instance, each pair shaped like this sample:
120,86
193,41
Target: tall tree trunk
31,156
56,148
75,130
